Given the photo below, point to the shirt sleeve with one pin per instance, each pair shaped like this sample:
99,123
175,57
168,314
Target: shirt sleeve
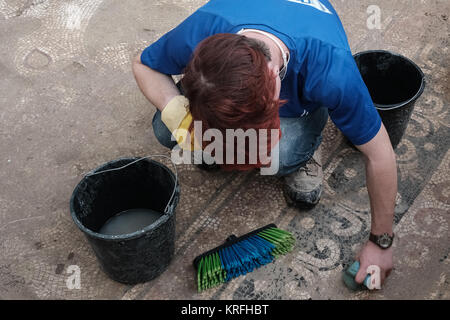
171,53
331,79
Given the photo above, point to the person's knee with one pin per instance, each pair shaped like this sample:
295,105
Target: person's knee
162,133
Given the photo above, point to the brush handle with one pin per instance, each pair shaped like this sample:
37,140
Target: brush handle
231,238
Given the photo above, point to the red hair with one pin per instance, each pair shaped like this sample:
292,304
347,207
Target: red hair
229,86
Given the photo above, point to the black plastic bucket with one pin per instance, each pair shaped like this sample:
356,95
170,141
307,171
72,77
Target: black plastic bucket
121,185
395,83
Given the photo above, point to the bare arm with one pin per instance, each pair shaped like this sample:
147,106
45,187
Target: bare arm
157,87
381,177
381,180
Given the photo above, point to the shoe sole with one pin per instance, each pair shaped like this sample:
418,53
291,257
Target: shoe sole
302,200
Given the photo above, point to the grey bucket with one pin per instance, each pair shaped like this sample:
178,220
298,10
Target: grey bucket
394,83
119,185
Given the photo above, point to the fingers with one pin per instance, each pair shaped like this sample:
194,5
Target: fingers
377,276
362,273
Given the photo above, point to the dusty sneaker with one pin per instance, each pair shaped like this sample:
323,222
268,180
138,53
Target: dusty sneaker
303,187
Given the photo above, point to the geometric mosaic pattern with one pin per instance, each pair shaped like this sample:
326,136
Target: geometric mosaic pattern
68,102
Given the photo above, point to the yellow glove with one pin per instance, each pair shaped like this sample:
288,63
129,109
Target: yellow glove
178,119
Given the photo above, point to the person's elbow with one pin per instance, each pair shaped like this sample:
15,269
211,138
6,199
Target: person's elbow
136,63
379,149
385,157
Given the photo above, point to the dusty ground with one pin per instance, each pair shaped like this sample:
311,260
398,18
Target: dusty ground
68,103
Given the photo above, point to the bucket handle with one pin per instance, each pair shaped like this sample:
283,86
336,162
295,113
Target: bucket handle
169,204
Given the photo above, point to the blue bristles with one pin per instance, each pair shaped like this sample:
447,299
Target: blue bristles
245,256
239,256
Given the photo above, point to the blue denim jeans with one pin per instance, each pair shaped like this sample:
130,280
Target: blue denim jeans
300,137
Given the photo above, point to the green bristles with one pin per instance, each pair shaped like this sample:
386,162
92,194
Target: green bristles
210,272
244,255
283,240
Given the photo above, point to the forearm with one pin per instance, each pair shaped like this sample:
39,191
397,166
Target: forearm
381,180
381,176
158,88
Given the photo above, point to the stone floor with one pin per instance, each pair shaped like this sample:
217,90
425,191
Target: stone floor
68,103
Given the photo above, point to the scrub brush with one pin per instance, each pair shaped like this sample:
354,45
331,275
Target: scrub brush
240,255
349,278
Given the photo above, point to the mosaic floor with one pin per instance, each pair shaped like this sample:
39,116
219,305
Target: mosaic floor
68,103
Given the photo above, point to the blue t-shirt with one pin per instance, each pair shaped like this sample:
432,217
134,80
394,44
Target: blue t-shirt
321,71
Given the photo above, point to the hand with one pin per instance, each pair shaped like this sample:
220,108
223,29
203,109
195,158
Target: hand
371,254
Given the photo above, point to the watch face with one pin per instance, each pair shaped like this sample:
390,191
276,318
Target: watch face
384,241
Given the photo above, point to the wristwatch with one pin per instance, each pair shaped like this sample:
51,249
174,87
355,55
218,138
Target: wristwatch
384,241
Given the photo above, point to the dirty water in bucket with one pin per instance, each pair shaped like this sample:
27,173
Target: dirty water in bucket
126,210
129,221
